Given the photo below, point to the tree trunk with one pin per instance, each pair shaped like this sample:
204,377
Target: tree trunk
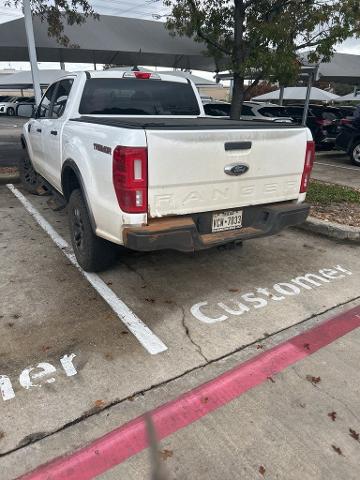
237,97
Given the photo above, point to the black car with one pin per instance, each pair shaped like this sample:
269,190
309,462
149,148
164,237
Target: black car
347,114
324,123
349,141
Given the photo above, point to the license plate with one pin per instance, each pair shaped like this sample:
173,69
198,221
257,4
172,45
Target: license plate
227,221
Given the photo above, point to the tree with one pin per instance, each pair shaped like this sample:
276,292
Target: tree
261,39
59,12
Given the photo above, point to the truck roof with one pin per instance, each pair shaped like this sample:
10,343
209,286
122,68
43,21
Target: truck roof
132,74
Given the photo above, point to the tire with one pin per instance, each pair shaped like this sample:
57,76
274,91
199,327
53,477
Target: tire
30,180
93,253
10,112
355,153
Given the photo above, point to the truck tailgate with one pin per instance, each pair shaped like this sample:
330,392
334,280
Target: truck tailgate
187,168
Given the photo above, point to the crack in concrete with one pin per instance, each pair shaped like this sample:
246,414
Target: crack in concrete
160,384
322,390
188,334
133,270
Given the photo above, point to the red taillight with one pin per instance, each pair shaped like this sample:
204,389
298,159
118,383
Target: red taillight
130,178
345,121
308,165
323,122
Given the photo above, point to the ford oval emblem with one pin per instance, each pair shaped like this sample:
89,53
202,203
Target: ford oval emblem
236,169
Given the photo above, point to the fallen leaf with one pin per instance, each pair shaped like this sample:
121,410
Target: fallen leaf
332,415
271,379
205,400
124,333
313,380
109,283
165,454
99,403
233,290
337,450
2,435
307,346
262,470
259,346
354,435
150,300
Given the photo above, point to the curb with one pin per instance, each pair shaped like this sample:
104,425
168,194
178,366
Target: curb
4,179
9,175
331,229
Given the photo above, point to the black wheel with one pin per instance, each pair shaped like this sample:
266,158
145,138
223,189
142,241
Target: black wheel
355,153
92,252
10,111
28,176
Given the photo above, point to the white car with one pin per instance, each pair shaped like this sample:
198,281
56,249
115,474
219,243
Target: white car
251,111
140,165
9,106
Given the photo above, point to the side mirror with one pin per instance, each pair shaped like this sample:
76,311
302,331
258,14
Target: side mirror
25,110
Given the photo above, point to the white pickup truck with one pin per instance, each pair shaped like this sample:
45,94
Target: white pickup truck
140,165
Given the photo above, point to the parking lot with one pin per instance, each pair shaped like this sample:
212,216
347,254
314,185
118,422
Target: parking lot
84,354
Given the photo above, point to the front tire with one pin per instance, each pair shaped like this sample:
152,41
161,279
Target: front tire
92,252
28,176
355,153
10,112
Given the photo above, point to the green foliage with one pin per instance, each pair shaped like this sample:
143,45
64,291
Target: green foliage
326,194
261,39
59,12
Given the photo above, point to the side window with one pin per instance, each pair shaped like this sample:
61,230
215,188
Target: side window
61,98
246,110
44,107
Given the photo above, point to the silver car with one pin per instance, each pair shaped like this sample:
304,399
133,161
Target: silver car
251,111
9,106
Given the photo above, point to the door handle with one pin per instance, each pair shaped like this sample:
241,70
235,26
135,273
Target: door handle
39,130
229,146
54,132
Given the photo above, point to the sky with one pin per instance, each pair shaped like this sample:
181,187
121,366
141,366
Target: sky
146,9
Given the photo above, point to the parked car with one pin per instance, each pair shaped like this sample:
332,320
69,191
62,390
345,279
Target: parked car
349,141
9,106
323,121
347,114
140,165
4,98
250,111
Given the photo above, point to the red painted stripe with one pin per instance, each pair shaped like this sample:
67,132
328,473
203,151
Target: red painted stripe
130,439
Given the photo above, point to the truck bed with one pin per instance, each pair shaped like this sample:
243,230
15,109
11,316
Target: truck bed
199,123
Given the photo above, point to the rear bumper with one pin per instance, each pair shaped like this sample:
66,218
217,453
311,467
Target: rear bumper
186,233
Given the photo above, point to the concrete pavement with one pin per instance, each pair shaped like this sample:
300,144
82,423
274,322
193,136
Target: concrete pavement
208,308
336,167
10,148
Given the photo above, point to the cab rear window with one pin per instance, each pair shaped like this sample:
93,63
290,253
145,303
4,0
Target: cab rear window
122,96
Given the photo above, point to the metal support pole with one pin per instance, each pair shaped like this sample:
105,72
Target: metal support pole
281,94
32,50
62,65
307,100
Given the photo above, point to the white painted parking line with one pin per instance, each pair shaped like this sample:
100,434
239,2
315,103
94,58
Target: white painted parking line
355,169
145,336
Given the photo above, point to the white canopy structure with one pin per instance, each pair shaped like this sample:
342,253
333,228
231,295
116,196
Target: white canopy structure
299,93
350,97
23,80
